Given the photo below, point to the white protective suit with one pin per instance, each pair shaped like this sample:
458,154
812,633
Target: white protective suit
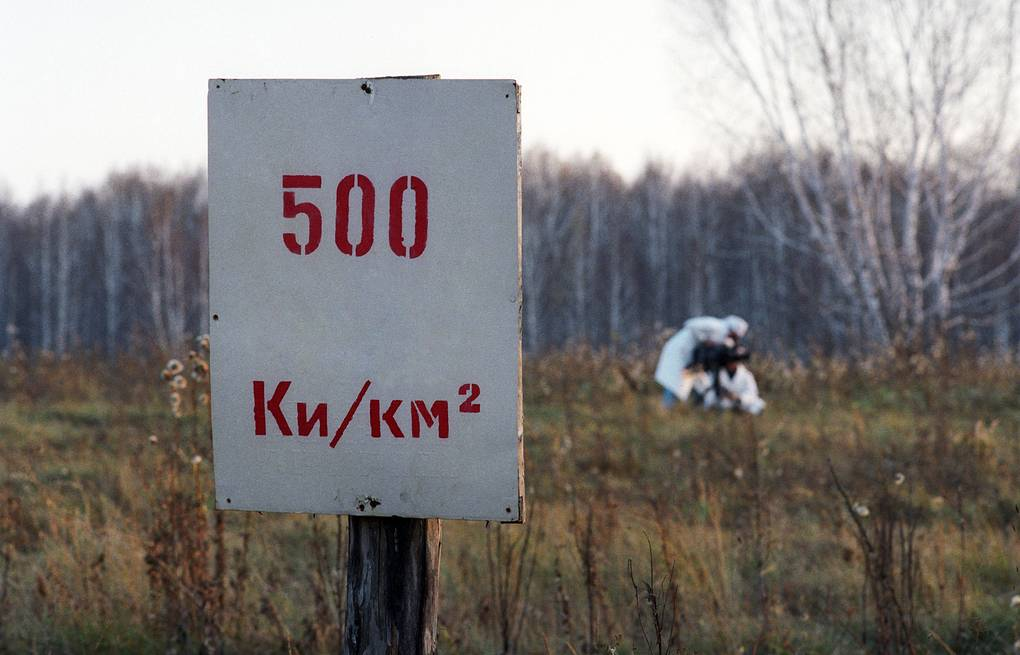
742,388
678,351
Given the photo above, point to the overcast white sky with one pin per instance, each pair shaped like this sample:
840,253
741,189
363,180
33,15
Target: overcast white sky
93,86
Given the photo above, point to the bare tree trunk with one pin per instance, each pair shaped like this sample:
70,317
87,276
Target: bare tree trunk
533,291
6,319
111,280
138,256
203,275
656,217
392,586
579,316
710,260
616,283
1003,337
173,280
694,255
158,270
64,256
596,244
46,283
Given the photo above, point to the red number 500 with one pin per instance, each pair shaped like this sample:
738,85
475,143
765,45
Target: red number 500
293,209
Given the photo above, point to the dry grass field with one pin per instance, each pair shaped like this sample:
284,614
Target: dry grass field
872,508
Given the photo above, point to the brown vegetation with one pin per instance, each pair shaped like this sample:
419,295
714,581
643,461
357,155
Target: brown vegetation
872,507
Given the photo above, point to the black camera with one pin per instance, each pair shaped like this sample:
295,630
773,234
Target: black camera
712,357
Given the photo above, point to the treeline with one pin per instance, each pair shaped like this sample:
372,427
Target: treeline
607,262
111,269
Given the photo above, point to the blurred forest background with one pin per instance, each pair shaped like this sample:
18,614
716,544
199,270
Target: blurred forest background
607,262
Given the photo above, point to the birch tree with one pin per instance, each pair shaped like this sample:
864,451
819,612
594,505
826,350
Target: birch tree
653,191
6,318
892,118
43,215
119,208
545,228
65,256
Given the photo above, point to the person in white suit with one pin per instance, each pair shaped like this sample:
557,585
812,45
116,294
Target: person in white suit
673,370
738,390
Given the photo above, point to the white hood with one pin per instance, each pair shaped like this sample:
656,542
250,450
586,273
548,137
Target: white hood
736,325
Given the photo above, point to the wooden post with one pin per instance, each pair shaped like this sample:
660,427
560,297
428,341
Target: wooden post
392,586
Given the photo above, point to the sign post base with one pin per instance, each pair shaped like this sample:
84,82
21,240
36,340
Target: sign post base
392,586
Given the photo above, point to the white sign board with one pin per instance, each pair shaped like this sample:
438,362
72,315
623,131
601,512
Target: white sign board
365,297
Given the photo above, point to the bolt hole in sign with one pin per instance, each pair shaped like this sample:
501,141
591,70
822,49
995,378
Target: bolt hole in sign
365,266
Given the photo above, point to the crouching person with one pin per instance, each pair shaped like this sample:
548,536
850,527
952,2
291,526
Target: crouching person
676,369
735,388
